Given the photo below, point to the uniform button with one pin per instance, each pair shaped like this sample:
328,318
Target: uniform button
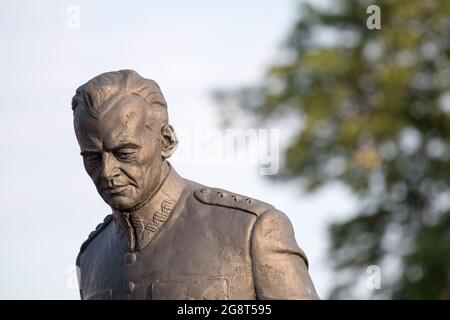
130,257
131,286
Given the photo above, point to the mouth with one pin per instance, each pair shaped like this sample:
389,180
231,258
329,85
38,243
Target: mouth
116,190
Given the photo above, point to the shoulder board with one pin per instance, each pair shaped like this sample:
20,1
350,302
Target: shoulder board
223,198
97,230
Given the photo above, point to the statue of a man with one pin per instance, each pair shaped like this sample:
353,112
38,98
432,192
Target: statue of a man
169,237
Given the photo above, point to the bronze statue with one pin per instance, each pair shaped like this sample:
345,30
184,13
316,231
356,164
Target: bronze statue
169,237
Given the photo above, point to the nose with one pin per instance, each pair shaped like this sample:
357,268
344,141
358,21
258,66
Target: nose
109,169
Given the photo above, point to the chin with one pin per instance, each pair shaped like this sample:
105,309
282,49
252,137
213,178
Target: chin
121,203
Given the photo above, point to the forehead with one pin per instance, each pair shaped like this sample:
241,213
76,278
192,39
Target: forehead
121,123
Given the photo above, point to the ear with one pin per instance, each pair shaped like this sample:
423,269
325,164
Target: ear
169,141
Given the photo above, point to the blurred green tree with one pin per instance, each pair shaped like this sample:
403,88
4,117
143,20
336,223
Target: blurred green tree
374,107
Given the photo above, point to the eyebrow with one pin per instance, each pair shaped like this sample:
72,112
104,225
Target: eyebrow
124,146
121,146
89,152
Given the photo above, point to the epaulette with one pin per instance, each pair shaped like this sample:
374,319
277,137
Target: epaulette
97,230
223,198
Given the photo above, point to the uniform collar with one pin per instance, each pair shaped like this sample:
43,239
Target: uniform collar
142,227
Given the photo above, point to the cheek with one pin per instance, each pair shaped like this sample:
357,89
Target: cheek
141,171
146,169
150,169
133,171
150,157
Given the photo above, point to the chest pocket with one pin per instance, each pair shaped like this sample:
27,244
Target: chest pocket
190,288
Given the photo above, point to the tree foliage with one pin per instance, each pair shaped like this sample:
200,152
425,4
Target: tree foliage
374,107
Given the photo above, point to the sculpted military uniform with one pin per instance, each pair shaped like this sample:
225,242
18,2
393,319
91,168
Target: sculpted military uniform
168,237
195,243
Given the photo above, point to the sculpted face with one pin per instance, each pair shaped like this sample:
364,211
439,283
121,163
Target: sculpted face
122,152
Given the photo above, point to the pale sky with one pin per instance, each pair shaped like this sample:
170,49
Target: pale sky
48,204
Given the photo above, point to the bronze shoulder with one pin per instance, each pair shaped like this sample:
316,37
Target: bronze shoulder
223,198
94,233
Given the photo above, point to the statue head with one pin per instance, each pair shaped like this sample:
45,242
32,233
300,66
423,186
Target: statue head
122,127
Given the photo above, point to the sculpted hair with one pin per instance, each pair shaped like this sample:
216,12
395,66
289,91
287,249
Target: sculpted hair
100,93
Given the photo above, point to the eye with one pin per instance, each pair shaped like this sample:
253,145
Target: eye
92,157
124,154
